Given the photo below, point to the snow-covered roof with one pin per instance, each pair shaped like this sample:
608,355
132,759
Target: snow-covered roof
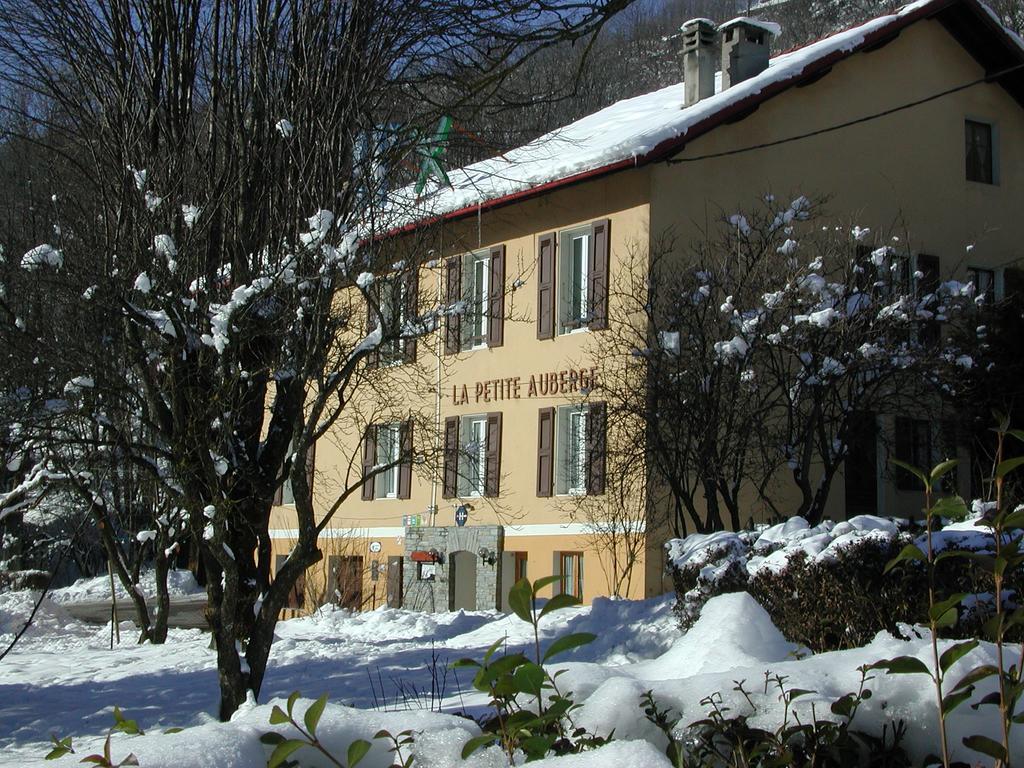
770,27
650,127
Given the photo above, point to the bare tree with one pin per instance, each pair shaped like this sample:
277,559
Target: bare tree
217,278
750,357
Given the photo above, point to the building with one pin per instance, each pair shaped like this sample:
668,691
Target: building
918,112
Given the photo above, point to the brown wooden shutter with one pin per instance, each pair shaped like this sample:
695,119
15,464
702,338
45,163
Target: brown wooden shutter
369,460
372,359
492,460
545,451
496,299
453,294
411,298
597,423
450,476
405,468
597,274
546,287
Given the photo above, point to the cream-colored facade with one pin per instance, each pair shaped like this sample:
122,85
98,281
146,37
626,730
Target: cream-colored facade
904,170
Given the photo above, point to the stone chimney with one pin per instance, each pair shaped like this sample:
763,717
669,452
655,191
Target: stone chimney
745,46
698,60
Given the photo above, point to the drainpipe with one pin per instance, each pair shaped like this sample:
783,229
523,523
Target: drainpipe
437,400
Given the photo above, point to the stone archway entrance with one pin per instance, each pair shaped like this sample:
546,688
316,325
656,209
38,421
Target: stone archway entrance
462,581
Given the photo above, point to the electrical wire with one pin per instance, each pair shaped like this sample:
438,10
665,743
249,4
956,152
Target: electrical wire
848,123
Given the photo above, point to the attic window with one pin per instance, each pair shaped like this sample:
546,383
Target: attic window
979,151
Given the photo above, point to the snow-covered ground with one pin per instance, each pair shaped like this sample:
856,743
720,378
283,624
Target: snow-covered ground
62,678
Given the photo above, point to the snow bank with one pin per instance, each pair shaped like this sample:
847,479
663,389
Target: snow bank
733,631
179,583
236,744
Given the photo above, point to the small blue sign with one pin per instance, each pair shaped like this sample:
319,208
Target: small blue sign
461,515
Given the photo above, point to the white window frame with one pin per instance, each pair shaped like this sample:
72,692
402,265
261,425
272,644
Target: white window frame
389,446
571,425
477,306
575,577
568,320
472,456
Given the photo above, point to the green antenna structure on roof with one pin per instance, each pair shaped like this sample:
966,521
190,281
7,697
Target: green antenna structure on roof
432,153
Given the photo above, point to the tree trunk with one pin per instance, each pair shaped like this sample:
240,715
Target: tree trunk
816,510
161,612
713,521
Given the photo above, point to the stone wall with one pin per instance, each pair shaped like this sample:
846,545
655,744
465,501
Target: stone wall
437,595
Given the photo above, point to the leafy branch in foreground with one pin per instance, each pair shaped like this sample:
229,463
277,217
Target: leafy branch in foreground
284,747
513,679
1005,526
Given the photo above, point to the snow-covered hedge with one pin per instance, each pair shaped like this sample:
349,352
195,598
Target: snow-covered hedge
824,586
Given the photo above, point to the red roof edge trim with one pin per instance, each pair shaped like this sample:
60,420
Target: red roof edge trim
513,197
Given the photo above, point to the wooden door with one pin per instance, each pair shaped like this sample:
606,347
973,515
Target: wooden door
394,582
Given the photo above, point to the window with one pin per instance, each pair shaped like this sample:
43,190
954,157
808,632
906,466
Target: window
387,461
473,440
285,494
572,280
474,291
520,570
472,456
571,571
984,283
476,288
914,447
571,450
573,310
426,571
388,449
393,304
980,152
571,444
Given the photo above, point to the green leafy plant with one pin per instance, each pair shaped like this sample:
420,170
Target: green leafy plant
531,714
284,747
62,747
398,742
104,760
1005,526
941,613
725,739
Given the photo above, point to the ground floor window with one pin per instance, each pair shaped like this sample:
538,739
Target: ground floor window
571,572
914,447
520,567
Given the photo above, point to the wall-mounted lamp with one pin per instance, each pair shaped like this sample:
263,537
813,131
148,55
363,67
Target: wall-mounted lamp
489,556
